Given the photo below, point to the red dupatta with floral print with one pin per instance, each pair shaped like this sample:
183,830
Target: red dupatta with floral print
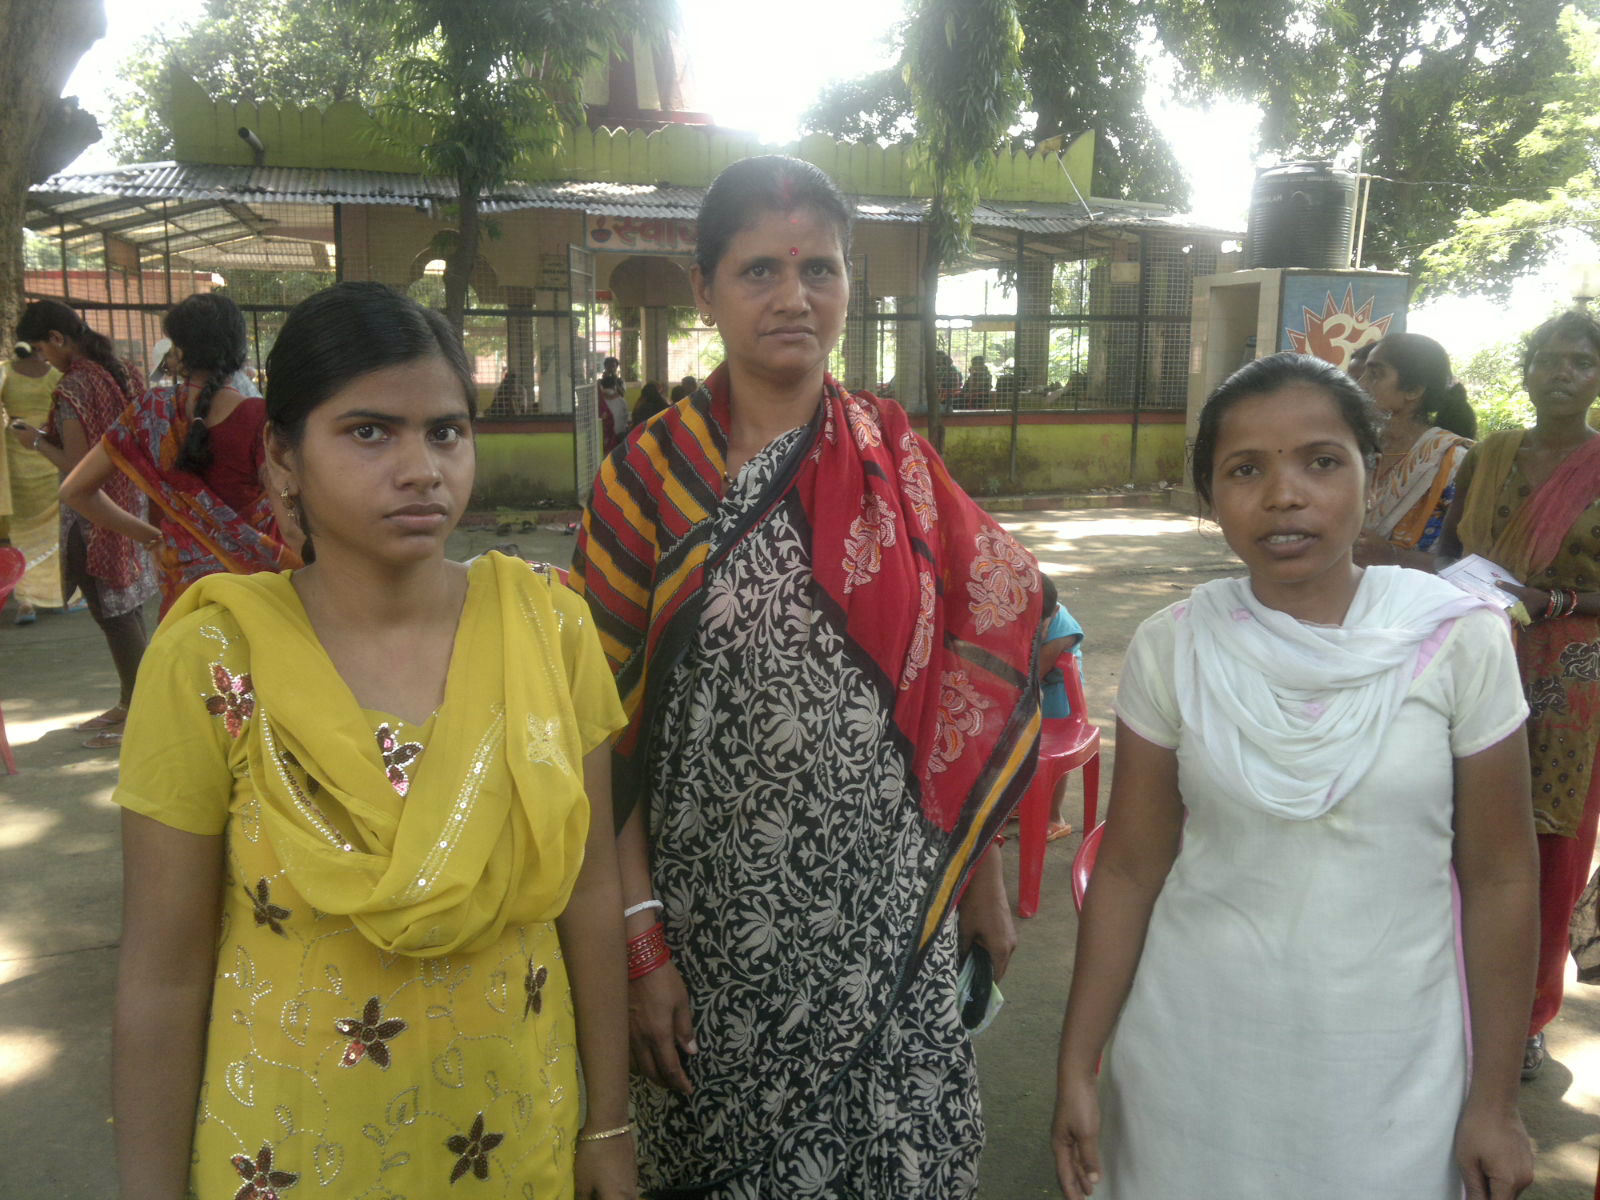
944,603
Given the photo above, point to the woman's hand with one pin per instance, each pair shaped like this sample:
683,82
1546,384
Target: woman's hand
1535,600
1494,1153
1372,550
984,915
27,435
661,1028
605,1170
1075,1136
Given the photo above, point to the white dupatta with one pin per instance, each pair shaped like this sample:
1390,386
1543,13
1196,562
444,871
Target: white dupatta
1294,712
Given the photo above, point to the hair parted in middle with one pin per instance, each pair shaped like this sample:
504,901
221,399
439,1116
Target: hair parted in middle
752,187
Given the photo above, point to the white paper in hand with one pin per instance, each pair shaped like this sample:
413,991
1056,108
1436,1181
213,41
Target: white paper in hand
1477,575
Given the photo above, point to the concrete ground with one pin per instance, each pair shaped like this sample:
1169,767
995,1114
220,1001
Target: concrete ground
60,881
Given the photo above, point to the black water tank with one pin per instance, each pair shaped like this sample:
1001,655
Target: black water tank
1301,215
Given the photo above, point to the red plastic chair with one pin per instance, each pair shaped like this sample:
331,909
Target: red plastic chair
1065,744
12,565
1083,864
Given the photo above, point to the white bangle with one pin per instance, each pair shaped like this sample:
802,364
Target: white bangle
642,906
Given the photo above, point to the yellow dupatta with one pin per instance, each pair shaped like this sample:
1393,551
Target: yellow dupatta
1533,535
491,832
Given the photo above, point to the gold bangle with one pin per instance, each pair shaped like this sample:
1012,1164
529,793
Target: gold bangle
606,1133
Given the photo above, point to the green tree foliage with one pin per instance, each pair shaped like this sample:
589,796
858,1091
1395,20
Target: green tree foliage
964,72
1488,243
483,84
1440,96
1082,65
1493,379
252,51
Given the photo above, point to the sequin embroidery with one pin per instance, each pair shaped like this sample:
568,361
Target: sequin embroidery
261,1182
460,810
234,700
474,1150
267,913
534,986
396,756
544,743
369,1035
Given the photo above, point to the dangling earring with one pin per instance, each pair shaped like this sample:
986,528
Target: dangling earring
283,494
708,319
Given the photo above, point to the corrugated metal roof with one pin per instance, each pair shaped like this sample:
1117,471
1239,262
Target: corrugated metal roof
308,185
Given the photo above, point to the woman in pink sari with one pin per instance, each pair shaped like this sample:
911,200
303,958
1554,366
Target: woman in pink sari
1529,500
195,450
109,567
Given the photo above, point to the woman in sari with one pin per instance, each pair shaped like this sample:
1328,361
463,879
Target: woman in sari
35,522
111,569
1529,500
826,652
1429,428
371,918
195,450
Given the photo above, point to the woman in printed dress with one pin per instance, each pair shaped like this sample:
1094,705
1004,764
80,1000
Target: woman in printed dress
371,918
1529,500
1428,428
195,449
826,653
111,570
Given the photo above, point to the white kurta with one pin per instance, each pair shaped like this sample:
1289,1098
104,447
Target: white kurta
1296,1027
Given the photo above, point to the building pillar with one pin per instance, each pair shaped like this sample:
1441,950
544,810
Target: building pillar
1033,321
908,355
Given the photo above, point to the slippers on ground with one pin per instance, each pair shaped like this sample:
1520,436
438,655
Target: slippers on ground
1533,1055
26,617
106,739
1057,831
112,718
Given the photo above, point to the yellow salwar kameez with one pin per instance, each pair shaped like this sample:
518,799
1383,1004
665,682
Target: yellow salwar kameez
390,1012
35,516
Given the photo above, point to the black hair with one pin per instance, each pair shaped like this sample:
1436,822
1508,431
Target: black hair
1572,323
44,317
1421,362
209,331
334,337
1265,375
752,187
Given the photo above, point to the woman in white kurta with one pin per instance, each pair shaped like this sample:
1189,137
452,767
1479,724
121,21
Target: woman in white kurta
1325,744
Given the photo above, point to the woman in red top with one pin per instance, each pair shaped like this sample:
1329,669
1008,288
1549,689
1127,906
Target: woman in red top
196,450
107,566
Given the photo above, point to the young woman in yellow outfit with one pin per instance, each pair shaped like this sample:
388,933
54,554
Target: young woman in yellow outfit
372,923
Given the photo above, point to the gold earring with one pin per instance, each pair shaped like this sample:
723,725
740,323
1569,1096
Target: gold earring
283,494
708,319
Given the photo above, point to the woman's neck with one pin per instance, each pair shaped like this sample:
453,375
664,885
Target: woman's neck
764,409
1402,432
342,591
1562,432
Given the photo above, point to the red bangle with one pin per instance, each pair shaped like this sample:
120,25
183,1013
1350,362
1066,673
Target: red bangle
648,951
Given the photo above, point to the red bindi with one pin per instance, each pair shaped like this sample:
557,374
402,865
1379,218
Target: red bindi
793,251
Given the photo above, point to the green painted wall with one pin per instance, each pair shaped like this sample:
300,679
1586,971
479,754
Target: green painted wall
344,135
517,469
1061,458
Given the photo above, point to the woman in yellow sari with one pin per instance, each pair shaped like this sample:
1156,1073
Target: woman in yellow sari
34,522
372,920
